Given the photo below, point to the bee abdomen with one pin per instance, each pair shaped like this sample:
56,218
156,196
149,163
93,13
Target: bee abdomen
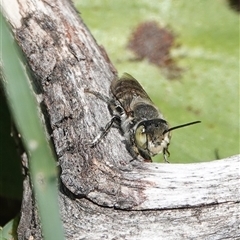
126,90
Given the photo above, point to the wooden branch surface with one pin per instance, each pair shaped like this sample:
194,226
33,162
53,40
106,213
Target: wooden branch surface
167,186
114,196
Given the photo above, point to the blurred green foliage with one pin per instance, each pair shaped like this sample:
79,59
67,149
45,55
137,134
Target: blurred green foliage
207,48
9,230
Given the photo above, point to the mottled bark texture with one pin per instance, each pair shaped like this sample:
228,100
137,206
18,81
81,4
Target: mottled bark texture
103,194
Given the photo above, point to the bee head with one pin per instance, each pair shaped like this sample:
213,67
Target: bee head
152,136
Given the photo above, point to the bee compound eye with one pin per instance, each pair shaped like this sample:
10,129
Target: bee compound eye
140,137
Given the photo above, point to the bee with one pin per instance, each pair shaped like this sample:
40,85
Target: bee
143,126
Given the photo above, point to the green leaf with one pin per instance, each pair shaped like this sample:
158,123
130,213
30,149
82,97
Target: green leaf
25,113
9,231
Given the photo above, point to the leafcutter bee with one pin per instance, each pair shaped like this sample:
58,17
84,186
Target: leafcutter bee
146,131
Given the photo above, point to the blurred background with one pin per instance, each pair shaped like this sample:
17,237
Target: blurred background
186,56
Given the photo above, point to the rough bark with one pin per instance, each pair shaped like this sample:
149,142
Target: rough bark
105,195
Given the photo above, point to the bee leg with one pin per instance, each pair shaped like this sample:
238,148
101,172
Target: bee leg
166,154
135,156
98,95
132,152
114,107
104,131
145,155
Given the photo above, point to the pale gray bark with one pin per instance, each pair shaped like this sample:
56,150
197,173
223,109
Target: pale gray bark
105,195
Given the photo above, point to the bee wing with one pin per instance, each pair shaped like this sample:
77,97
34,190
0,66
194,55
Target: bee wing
126,89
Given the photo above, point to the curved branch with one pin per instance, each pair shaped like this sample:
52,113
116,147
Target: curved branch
169,186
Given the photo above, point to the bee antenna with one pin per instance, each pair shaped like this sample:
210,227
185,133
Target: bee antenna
180,126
